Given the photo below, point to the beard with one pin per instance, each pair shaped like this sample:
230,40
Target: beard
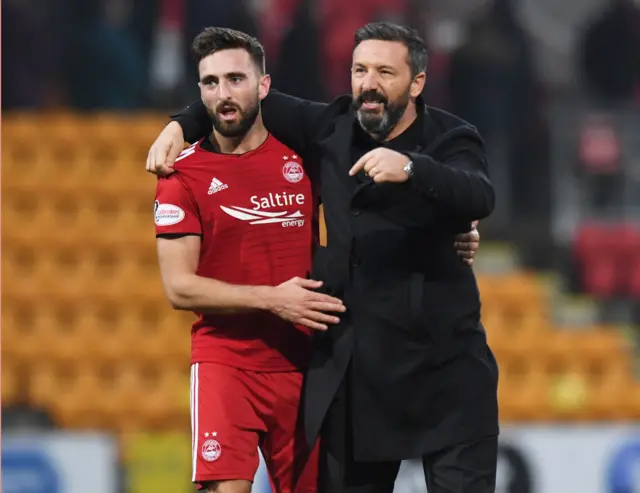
380,124
245,118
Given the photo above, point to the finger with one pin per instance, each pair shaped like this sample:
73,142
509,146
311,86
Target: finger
155,161
464,238
381,177
468,261
313,325
321,317
466,253
321,306
162,170
324,298
474,225
469,236
173,153
466,245
360,164
307,283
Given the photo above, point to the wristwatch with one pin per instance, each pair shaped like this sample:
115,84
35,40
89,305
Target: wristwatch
408,169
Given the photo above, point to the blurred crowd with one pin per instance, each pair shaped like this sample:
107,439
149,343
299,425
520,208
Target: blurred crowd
131,54
498,63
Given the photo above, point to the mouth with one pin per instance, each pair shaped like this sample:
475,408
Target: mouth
371,105
228,113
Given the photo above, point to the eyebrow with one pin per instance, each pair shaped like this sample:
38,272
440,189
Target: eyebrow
379,67
229,75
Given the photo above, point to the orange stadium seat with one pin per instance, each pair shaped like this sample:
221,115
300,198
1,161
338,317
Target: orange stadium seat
103,348
166,396
10,381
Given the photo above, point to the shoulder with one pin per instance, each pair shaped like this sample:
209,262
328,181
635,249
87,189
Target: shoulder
193,158
339,106
336,108
334,112
450,128
274,146
446,122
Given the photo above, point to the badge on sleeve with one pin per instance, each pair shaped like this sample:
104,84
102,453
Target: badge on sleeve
167,214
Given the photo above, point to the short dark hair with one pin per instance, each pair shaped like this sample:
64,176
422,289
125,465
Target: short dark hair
386,31
214,39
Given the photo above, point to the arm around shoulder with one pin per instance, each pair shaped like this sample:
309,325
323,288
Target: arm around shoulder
194,121
291,120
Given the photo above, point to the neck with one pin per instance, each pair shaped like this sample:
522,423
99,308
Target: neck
242,144
408,117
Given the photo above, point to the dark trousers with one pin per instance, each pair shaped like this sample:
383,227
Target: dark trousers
465,468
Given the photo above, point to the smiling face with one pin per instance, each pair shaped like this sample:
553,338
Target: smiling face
231,88
387,75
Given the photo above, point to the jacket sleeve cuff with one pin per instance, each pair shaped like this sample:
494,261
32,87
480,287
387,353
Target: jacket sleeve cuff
423,179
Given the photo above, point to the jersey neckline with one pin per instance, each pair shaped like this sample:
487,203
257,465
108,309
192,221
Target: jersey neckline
206,145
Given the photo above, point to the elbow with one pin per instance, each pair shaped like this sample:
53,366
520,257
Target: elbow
178,303
178,295
487,201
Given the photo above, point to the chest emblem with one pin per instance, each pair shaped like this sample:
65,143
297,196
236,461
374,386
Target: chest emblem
292,170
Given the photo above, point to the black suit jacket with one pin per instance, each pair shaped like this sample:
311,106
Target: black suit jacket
422,375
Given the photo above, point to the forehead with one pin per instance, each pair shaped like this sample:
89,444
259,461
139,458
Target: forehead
377,52
226,61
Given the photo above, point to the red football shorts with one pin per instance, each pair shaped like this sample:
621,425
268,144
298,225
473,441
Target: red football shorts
233,412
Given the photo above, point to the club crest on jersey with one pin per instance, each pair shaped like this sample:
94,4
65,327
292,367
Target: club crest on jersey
211,450
293,171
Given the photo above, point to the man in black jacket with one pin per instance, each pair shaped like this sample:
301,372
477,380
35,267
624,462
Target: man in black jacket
407,373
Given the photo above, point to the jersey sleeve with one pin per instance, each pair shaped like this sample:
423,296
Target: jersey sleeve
175,210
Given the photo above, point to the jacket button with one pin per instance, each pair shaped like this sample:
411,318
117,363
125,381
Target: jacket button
355,261
355,213
432,194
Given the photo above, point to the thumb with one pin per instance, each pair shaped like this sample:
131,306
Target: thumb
172,154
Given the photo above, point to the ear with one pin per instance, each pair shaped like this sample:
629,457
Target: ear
417,84
263,86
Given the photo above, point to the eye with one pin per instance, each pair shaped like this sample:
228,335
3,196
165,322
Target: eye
211,83
358,70
236,80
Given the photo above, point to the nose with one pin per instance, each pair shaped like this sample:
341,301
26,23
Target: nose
369,81
223,91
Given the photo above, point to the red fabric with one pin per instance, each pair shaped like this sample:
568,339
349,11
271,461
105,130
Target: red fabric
255,214
231,410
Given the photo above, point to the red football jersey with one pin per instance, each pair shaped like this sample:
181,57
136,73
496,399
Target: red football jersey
255,213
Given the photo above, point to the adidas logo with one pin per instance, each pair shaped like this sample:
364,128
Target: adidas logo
216,186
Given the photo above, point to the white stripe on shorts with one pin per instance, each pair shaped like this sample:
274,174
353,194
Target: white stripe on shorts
194,419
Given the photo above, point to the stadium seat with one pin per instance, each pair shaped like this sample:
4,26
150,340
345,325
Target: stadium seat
103,348
10,381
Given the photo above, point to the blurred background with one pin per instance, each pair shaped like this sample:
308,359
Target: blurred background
95,364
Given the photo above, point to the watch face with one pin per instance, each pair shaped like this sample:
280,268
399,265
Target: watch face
409,168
